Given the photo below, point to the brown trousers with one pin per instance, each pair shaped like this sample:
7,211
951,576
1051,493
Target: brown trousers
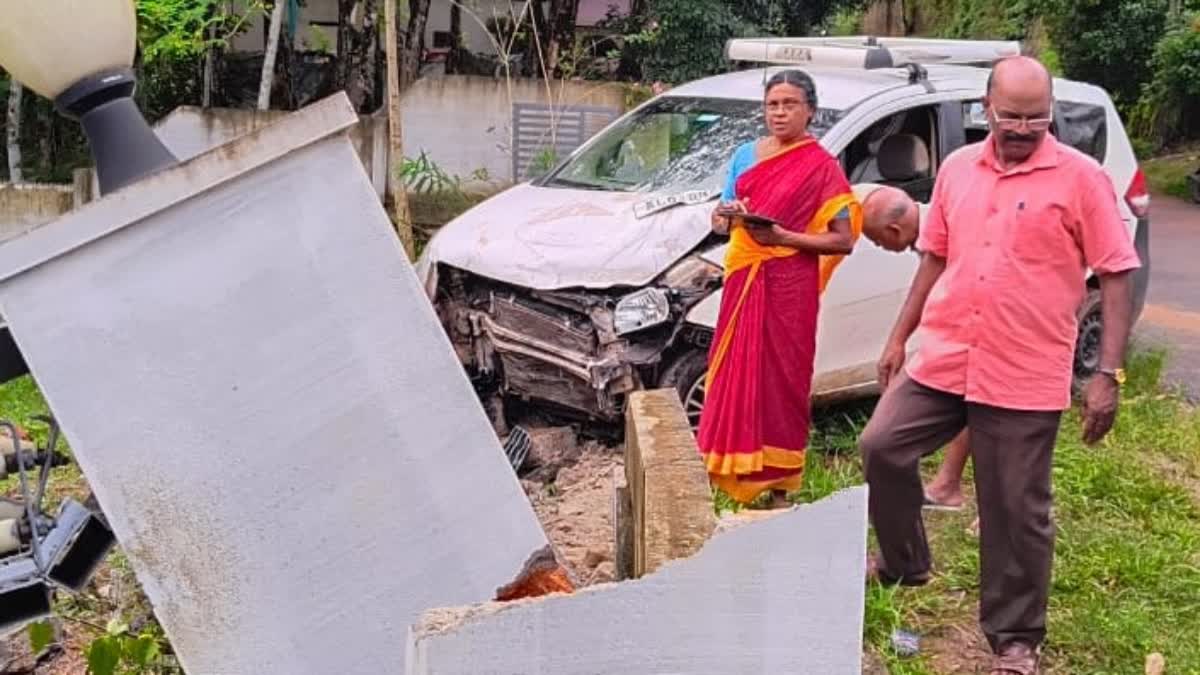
1012,450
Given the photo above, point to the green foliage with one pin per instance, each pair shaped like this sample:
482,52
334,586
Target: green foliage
422,175
119,652
685,39
41,635
846,21
1108,42
177,29
974,19
1142,148
1169,175
543,162
1170,106
778,17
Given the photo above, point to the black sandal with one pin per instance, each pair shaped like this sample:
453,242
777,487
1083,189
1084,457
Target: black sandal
875,572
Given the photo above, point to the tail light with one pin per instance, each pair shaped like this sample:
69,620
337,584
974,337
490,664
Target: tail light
1137,196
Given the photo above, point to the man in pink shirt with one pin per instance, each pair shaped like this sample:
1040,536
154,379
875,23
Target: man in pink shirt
1014,224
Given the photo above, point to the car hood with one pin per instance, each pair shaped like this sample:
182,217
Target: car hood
550,238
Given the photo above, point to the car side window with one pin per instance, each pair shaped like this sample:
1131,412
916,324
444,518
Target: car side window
975,122
898,150
1082,126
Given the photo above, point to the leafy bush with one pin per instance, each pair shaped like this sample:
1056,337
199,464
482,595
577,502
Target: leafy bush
685,39
1170,105
1109,43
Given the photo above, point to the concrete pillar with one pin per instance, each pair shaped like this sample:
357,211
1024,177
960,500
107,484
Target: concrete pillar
669,491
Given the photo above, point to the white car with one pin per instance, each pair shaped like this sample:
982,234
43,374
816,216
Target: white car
603,276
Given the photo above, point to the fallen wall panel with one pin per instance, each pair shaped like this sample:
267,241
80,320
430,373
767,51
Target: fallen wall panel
783,595
259,392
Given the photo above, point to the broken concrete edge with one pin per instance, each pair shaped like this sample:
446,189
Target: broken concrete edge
442,620
734,519
164,189
541,574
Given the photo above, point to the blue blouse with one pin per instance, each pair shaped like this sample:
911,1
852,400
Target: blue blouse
744,158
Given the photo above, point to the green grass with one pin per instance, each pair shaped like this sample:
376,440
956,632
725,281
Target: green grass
1127,567
1168,175
20,402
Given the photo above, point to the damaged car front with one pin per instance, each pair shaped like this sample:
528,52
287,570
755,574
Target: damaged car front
577,352
573,291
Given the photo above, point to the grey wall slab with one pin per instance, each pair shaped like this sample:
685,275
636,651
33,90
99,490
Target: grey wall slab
783,595
258,391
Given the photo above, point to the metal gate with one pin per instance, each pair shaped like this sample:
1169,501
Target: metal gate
543,135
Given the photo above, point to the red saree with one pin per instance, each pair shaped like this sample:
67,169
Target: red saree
754,428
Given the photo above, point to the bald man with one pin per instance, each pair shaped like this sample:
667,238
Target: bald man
891,219
1014,224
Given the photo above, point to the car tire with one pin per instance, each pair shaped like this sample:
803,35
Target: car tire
1194,179
686,375
1087,343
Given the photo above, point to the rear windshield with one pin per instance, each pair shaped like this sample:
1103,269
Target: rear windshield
672,144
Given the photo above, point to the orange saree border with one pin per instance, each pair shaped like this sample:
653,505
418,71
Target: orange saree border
746,491
740,463
820,224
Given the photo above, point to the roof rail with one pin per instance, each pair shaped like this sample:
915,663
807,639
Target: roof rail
867,52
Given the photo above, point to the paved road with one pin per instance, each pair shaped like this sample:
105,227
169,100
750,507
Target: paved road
1172,314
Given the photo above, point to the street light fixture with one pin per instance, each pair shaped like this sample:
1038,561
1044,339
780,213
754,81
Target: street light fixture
79,53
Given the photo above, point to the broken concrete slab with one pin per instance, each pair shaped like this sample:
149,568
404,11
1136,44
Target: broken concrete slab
783,595
670,496
261,396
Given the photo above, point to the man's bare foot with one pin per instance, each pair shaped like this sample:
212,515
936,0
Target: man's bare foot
940,496
779,500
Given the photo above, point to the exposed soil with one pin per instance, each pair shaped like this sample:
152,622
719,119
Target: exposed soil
570,485
958,649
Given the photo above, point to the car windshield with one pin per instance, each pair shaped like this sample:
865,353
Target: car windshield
671,145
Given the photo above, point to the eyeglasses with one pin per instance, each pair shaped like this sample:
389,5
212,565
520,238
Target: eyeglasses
1014,123
787,105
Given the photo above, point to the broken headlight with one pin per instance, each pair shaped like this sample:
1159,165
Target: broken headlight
645,308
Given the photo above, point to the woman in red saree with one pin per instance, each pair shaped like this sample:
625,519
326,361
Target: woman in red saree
754,428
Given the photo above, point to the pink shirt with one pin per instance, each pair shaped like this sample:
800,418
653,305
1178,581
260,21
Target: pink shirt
999,326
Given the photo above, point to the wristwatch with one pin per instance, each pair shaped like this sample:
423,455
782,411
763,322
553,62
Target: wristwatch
1117,374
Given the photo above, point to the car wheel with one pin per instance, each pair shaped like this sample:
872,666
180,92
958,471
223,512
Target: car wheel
1195,181
1087,344
686,375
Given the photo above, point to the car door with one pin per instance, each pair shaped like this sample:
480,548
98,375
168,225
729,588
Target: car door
867,290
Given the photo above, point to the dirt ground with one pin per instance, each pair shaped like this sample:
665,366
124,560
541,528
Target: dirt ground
570,486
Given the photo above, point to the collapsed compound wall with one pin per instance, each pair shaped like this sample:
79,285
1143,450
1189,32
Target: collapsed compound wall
781,595
778,592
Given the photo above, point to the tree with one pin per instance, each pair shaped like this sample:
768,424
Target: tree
1108,42
1170,106
268,69
414,42
563,15
15,91
681,40
395,190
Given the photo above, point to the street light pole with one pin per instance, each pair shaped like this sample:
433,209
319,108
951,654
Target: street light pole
80,55
124,147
